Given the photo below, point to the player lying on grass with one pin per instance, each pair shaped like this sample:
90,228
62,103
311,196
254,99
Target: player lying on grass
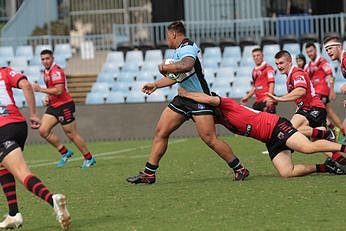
279,135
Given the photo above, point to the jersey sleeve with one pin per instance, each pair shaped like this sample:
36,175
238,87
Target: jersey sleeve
14,77
271,75
299,80
188,50
57,77
327,68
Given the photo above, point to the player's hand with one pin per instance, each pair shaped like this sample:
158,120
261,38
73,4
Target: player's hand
332,96
46,100
36,87
149,88
34,122
243,101
272,97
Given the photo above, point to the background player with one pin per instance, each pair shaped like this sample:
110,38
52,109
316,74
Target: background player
263,77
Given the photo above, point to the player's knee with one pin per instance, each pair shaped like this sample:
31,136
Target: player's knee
209,139
286,173
307,149
44,132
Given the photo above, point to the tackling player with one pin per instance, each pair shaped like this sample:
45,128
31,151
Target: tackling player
61,110
279,135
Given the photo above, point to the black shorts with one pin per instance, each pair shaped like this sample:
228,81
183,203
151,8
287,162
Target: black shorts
12,136
316,116
188,107
64,113
262,106
281,132
324,99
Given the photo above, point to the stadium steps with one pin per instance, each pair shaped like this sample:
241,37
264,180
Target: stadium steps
79,86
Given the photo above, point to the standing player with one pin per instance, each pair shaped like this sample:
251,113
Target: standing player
180,109
279,135
334,49
321,75
263,76
61,110
13,133
311,112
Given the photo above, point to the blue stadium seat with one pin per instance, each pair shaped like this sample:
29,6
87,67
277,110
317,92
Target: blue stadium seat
221,89
24,51
145,76
105,77
210,63
246,61
247,52
101,87
229,62
121,87
131,67
7,52
135,56
36,61
110,67
238,92
242,82
3,61
292,48
127,76
116,58
270,50
63,49
225,72
232,52
61,61
19,63
39,98
212,53
115,97
95,98
153,56
20,100
244,71
34,74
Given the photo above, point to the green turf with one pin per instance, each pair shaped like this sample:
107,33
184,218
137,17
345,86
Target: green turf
194,191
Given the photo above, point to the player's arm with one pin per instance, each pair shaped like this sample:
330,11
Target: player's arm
56,90
330,81
199,97
184,65
293,95
28,92
149,88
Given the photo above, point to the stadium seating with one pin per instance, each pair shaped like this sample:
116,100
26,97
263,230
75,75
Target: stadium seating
156,96
280,89
101,87
34,74
61,61
134,56
125,47
212,53
287,39
229,62
206,42
244,71
135,98
115,97
19,63
115,58
227,42
268,40
63,49
146,76
105,77
153,56
238,91
36,60
225,72
111,67
7,52
292,48
210,63
24,51
269,50
233,52
123,87
95,98
3,61
131,67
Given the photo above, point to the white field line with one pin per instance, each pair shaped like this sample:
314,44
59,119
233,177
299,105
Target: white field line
105,155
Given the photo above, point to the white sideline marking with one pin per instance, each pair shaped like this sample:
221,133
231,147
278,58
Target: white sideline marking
107,155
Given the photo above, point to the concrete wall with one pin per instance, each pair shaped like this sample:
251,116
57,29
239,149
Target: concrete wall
137,121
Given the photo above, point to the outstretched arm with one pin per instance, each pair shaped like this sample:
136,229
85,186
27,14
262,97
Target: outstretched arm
293,95
199,97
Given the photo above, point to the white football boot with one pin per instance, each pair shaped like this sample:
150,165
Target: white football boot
12,222
62,215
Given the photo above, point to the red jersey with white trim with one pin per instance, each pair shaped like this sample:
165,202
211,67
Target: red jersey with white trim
343,64
298,78
262,76
318,71
246,121
9,112
55,75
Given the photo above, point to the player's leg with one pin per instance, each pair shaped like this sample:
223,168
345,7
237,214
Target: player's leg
206,130
168,122
47,123
14,162
70,130
284,165
14,218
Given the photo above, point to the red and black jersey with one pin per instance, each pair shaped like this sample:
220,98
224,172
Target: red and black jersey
9,112
318,71
299,78
343,64
262,76
55,75
246,121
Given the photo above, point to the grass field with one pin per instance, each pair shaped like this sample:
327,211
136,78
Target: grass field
194,191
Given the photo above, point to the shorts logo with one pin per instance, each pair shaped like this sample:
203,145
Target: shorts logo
314,113
200,106
248,130
281,135
8,144
61,119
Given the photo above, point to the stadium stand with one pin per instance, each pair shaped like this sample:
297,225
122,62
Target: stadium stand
24,51
212,53
63,49
206,42
42,47
7,52
227,42
115,97
19,63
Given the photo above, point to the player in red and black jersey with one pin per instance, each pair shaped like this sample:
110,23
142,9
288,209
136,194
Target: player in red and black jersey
310,117
263,77
321,75
279,135
61,110
13,134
